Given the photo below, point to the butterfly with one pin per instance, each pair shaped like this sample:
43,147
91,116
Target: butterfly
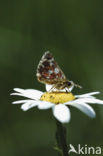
48,72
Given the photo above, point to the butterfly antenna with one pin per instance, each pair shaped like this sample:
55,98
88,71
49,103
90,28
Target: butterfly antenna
78,86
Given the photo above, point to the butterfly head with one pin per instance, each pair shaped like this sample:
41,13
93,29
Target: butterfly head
72,84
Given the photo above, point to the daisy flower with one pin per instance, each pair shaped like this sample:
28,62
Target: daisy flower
59,102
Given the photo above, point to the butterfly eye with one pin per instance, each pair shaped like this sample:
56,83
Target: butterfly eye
69,83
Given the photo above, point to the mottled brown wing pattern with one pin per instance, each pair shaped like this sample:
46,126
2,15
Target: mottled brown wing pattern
48,70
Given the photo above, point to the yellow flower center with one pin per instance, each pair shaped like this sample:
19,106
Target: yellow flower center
57,97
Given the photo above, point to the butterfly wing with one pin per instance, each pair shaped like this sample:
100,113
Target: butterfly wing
48,71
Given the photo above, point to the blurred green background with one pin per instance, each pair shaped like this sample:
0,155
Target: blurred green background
73,32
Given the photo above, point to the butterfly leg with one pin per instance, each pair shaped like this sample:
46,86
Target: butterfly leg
67,91
52,88
58,88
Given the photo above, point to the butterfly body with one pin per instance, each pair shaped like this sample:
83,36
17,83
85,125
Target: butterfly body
48,72
61,85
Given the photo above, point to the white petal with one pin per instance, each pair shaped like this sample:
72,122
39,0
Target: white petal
87,94
87,100
29,93
90,100
29,105
85,108
61,113
22,101
16,94
19,90
45,105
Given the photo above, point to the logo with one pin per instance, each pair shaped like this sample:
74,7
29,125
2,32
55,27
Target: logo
84,149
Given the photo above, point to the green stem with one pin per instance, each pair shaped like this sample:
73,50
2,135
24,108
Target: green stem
61,139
